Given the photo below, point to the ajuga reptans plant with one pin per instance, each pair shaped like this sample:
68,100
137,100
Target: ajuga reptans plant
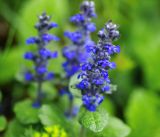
95,82
42,55
76,53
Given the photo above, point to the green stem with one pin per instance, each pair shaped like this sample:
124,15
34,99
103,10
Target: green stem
82,132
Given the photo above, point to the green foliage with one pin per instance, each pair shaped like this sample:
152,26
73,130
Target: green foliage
10,65
15,129
72,86
28,16
25,113
28,132
143,114
94,121
50,115
3,123
115,128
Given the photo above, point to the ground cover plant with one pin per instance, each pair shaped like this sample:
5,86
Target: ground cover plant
84,68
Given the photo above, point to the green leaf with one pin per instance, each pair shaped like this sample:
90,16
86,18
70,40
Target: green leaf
72,86
3,123
25,113
15,129
115,128
9,67
29,132
142,114
50,115
95,121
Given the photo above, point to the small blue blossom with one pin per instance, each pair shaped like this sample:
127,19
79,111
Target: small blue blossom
45,53
42,55
49,37
28,76
74,36
41,70
94,75
31,40
54,54
77,19
91,27
53,25
29,56
50,76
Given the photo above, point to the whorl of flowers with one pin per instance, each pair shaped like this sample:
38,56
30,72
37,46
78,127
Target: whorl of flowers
75,54
95,82
42,55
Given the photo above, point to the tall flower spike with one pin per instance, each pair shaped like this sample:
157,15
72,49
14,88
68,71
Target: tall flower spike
95,81
75,54
41,57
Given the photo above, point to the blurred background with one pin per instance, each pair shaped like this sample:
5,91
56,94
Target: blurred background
137,99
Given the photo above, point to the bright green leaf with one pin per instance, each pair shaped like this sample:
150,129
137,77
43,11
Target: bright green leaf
95,121
25,113
143,114
116,128
50,115
3,123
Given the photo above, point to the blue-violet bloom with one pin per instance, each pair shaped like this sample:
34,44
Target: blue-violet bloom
95,82
42,55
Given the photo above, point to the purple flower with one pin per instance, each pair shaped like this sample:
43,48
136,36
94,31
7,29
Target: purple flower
77,53
106,88
50,76
91,27
28,76
49,37
42,55
94,76
52,25
78,18
112,65
41,70
31,40
73,36
45,53
54,54
29,56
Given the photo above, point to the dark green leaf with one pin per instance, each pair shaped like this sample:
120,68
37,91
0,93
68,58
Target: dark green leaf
15,129
95,121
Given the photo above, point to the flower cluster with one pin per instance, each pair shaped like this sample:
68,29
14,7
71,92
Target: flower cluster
94,76
41,57
51,131
75,54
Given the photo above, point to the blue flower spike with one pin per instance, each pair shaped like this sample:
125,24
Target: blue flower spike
95,82
76,53
42,55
